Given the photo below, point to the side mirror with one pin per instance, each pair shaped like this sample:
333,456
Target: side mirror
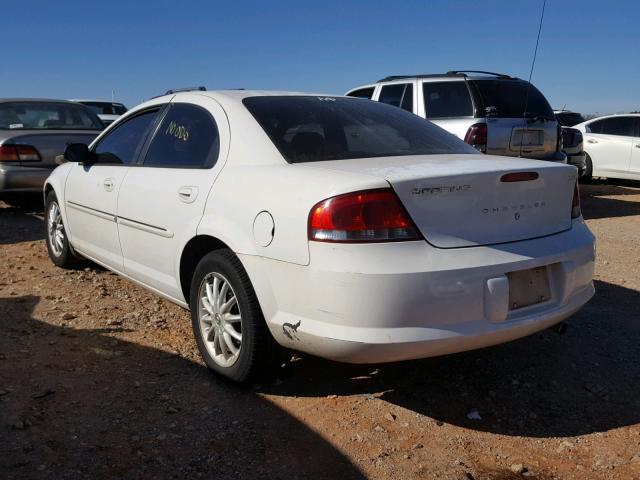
78,153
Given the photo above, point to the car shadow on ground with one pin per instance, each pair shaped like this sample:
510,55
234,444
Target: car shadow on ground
21,222
83,404
545,385
596,204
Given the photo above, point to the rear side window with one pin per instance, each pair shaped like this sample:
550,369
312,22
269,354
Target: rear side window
121,144
362,93
447,100
312,129
186,138
509,99
622,126
398,95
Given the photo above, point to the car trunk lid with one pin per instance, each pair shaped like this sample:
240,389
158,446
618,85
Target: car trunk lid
49,144
463,200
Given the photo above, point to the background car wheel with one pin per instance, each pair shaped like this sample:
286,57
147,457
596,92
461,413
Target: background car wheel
60,250
588,173
229,328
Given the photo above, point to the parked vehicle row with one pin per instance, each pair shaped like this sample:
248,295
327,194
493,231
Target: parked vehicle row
337,226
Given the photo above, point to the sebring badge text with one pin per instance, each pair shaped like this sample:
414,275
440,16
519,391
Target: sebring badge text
440,189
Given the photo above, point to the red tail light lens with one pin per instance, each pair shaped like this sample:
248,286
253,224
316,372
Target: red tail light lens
368,216
8,153
576,211
19,153
477,136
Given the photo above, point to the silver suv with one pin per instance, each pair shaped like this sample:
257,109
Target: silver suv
496,113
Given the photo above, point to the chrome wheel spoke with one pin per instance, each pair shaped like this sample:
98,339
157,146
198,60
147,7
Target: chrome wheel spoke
230,318
229,342
225,307
229,330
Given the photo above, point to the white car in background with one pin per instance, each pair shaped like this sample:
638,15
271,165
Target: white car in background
344,228
612,144
106,111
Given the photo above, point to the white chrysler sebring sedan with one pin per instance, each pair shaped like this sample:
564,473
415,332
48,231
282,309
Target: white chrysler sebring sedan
341,227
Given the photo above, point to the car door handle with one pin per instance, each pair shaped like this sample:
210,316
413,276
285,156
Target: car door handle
591,140
637,145
187,194
108,184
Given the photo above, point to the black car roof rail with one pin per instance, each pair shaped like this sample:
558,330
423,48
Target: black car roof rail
186,89
462,72
451,73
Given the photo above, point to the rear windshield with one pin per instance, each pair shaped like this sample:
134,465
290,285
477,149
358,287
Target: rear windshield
508,99
569,119
312,129
106,108
47,116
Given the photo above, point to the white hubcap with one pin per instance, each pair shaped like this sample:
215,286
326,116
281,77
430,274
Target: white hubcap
220,319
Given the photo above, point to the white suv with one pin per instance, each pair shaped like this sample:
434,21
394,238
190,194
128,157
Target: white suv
496,113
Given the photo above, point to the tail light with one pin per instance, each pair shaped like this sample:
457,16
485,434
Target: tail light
558,138
576,211
367,216
476,136
19,153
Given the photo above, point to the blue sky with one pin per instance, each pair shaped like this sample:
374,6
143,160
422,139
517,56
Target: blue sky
589,55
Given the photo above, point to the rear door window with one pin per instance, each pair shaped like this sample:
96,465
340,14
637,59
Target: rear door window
186,138
120,145
447,100
621,126
398,95
362,93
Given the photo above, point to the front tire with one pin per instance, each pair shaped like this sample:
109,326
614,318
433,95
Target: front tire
228,324
58,246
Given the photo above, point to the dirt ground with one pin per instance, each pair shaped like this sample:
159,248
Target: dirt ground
101,379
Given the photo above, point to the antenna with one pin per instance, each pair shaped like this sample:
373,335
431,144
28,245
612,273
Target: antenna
533,63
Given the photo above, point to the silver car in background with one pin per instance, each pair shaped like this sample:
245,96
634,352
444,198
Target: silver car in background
106,111
33,132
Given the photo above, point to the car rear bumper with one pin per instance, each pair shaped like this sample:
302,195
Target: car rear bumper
578,160
16,178
391,302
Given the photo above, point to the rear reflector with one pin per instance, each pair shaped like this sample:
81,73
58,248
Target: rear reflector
576,210
368,216
19,153
519,177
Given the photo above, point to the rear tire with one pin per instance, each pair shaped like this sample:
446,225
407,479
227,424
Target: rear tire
58,246
228,325
587,176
